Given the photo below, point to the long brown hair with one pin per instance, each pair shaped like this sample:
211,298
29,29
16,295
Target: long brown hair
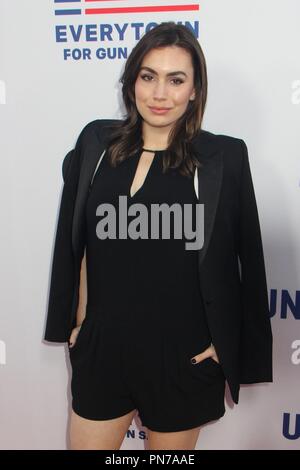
126,139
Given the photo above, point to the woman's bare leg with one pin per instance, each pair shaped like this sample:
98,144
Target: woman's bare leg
185,440
96,435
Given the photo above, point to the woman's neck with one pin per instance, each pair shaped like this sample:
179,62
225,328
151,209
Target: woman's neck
155,137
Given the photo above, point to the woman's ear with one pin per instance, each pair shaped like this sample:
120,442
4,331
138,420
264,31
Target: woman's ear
193,96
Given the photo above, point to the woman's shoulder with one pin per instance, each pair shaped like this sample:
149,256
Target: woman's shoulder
233,149
212,140
99,127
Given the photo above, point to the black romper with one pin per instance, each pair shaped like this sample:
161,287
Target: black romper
144,317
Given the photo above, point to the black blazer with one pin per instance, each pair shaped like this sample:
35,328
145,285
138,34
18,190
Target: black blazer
231,262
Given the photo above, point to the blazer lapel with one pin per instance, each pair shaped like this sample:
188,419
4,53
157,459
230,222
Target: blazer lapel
91,157
209,186
210,175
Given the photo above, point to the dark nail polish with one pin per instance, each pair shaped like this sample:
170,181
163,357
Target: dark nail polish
193,361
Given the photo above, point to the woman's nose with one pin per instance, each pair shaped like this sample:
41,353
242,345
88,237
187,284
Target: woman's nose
160,90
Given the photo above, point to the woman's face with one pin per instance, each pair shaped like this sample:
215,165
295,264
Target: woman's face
164,86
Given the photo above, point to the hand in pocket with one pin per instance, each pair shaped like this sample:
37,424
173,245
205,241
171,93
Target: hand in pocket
209,352
73,337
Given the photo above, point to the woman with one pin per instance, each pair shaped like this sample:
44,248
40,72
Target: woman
154,326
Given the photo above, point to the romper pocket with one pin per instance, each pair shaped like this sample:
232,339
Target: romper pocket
208,369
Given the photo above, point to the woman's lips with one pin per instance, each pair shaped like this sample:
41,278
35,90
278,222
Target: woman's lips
159,110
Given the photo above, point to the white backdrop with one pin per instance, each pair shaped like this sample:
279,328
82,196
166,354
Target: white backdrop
47,95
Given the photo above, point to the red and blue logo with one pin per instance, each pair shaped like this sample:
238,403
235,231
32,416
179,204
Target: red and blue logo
84,7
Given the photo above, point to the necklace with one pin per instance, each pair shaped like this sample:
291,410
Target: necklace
153,151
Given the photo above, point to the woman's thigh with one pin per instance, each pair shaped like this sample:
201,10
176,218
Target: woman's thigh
185,440
96,435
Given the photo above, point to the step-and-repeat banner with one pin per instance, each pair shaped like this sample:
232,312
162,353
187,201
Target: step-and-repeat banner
60,64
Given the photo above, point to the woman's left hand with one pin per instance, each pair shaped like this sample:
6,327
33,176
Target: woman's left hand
209,352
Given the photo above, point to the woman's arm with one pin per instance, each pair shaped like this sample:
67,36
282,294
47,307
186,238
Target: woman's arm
81,310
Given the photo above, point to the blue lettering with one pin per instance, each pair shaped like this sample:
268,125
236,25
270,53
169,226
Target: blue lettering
91,32
111,53
294,307
130,433
194,29
286,426
150,26
109,32
77,54
61,33
137,27
273,302
67,54
100,53
76,34
142,435
105,31
133,434
286,303
121,31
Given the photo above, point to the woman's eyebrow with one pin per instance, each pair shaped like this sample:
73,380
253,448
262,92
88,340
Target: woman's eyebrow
177,72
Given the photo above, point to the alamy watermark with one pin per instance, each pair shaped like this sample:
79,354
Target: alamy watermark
138,227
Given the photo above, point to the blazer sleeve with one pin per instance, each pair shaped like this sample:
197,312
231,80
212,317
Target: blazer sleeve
59,309
66,164
256,338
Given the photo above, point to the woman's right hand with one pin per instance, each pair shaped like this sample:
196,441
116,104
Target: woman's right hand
73,337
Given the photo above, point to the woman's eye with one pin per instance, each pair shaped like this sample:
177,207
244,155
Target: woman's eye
148,78
178,81
145,77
